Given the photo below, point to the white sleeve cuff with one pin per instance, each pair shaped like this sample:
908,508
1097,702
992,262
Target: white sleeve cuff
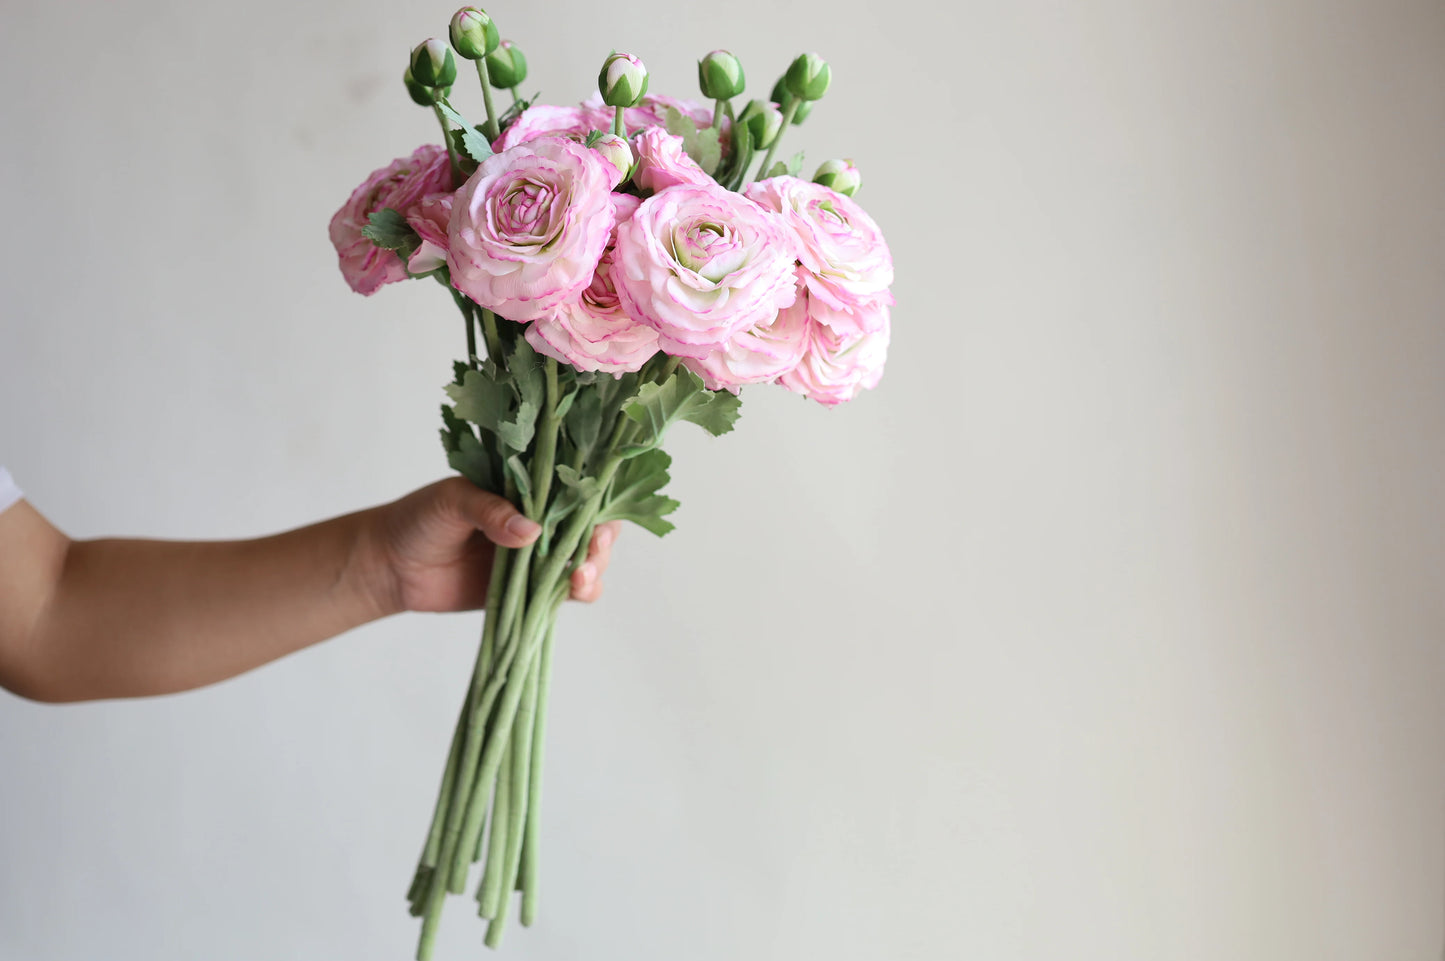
9,492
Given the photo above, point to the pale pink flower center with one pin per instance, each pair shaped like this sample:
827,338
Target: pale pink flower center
526,212
710,249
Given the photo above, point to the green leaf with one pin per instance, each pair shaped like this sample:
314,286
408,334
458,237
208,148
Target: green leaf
707,150
635,496
740,155
473,142
522,477
473,462
678,123
583,422
795,164
389,230
657,406
776,170
493,403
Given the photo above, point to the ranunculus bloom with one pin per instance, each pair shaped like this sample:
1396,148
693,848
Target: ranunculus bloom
400,185
529,226
835,365
594,332
662,162
848,266
756,355
430,219
545,120
701,263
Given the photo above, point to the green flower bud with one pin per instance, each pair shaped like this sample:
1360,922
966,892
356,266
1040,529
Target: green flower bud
623,80
764,121
473,33
615,151
720,75
506,67
808,77
425,96
433,65
780,96
839,175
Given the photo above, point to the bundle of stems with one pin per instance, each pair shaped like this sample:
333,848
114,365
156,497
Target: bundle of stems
572,450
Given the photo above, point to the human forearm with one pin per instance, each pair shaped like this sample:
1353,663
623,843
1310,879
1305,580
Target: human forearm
133,617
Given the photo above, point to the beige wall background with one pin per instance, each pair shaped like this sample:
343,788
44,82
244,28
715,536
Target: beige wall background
1109,627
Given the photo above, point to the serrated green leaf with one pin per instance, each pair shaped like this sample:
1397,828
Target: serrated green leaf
388,229
472,461
678,123
583,422
516,432
634,495
681,397
473,142
795,164
486,398
778,169
565,404
708,151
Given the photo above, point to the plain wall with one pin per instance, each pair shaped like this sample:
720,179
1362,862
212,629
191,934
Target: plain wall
1109,627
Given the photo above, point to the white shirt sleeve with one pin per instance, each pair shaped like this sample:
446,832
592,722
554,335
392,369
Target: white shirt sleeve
9,492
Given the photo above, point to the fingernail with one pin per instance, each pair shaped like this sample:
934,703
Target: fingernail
586,573
523,527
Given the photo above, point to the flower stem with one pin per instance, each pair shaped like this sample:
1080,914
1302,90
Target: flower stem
451,151
534,789
489,894
788,113
717,113
618,127
516,97
490,127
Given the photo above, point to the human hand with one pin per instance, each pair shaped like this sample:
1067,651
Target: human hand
432,549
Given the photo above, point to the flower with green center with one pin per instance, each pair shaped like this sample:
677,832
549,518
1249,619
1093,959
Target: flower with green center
473,33
432,64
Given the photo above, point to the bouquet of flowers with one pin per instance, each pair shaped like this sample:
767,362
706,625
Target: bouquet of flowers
617,271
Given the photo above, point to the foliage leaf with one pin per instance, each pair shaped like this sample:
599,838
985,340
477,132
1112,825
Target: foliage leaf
473,142
635,496
472,461
388,229
682,397
795,164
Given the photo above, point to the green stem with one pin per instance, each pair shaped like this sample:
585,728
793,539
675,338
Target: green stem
489,894
717,113
543,462
617,125
491,129
516,97
789,112
469,316
492,338
534,789
447,139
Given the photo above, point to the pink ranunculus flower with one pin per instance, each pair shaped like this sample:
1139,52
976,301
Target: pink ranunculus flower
757,355
699,263
847,264
400,185
662,162
546,120
594,332
529,226
651,112
837,365
430,219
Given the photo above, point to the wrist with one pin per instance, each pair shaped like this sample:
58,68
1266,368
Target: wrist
369,577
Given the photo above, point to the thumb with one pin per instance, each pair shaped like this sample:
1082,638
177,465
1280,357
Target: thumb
497,518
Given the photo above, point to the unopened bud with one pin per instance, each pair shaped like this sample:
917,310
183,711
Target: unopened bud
623,80
839,175
614,150
506,67
764,121
808,77
473,33
432,64
780,96
425,96
720,75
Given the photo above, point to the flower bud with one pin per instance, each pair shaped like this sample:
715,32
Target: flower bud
780,96
425,96
808,77
506,67
615,151
839,175
432,64
720,75
623,80
473,33
764,121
